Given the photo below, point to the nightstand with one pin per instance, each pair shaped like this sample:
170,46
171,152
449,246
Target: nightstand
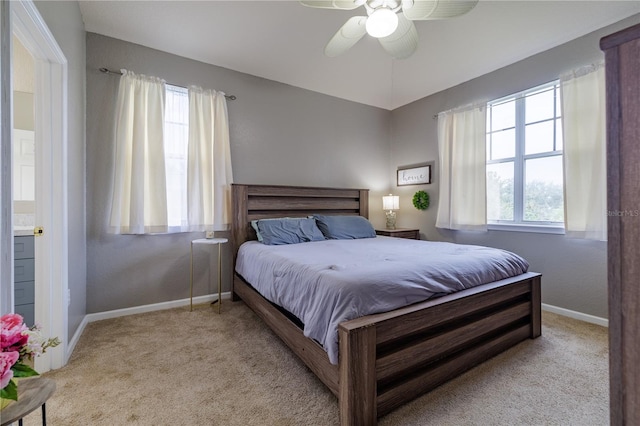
208,241
411,234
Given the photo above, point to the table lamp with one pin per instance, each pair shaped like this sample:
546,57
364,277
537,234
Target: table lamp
390,203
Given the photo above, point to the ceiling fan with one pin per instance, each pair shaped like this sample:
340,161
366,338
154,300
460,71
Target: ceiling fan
395,31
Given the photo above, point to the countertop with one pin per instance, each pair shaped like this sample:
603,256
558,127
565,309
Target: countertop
22,231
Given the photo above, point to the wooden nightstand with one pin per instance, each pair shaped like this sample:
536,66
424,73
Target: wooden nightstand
411,234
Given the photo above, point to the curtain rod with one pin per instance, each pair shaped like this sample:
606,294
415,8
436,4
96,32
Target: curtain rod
509,98
108,71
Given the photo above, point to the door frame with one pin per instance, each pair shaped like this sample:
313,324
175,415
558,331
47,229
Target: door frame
50,107
6,159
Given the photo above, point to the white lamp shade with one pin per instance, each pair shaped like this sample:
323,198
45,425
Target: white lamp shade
381,23
390,202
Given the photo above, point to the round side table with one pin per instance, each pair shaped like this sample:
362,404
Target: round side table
32,393
211,241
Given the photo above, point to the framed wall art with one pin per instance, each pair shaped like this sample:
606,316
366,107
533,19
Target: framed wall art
414,175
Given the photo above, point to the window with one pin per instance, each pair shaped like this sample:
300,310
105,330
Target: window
158,146
524,158
176,142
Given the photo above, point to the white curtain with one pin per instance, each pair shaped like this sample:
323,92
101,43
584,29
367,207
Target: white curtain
585,168
209,174
139,202
462,153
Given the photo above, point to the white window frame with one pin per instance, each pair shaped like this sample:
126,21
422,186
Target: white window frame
174,227
518,223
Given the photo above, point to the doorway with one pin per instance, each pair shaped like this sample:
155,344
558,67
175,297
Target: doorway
24,186
50,177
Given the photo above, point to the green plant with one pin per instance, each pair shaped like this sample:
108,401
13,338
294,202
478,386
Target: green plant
421,200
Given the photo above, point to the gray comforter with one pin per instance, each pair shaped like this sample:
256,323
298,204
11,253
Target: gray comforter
324,283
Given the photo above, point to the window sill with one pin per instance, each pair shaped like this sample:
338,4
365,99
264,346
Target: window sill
539,229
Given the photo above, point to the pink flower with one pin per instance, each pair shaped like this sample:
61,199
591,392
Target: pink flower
11,320
11,333
7,359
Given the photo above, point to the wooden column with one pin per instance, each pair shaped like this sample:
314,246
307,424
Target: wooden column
622,53
239,224
364,203
536,306
357,376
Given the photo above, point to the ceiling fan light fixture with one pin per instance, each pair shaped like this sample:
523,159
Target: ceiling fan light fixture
382,22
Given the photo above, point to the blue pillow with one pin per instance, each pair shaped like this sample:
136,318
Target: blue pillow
287,231
345,227
254,224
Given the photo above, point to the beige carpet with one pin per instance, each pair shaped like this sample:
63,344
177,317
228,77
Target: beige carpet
180,367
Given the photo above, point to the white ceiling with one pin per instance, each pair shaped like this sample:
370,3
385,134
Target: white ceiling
284,41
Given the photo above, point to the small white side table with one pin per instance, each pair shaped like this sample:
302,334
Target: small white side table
218,242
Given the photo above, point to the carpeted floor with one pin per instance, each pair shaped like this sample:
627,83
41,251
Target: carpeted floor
181,367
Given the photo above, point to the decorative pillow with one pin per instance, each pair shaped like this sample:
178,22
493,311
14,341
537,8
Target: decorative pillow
345,227
287,231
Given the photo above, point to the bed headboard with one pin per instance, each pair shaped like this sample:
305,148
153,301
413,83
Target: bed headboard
251,202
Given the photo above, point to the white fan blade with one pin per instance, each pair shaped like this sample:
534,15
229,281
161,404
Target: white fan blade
331,4
438,9
348,35
403,42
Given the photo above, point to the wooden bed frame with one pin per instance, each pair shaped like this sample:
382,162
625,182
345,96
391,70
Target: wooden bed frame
390,358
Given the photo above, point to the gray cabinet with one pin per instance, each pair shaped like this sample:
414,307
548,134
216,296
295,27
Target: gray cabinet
23,272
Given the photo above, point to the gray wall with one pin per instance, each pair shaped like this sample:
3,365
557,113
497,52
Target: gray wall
66,25
574,271
279,135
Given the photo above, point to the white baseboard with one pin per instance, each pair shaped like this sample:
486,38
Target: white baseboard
576,315
155,307
74,340
136,310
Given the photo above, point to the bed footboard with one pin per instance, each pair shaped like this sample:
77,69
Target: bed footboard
389,359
